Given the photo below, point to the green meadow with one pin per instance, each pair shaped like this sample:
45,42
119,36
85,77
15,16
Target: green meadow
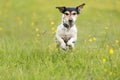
27,46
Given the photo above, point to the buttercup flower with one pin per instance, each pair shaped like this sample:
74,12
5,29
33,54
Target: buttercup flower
90,40
38,35
116,41
104,60
107,46
57,49
111,51
94,38
32,23
1,28
110,73
106,28
52,23
36,29
53,30
105,70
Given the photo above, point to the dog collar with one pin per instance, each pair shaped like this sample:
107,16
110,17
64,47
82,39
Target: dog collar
66,25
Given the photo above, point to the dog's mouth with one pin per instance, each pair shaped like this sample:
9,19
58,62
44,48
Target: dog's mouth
70,24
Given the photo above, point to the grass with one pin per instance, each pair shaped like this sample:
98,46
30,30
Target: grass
27,49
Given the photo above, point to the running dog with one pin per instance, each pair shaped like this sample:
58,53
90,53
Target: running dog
66,33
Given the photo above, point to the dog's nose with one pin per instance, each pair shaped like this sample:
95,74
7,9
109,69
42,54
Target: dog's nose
70,20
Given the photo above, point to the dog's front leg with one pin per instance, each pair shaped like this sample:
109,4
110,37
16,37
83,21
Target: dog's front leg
61,41
71,42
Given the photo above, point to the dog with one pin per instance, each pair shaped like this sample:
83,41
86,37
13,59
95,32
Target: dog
66,33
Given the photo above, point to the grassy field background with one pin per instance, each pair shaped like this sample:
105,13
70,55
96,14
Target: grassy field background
27,49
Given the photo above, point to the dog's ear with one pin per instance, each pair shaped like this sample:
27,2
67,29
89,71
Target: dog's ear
61,9
80,7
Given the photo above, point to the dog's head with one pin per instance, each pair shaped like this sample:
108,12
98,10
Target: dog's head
70,14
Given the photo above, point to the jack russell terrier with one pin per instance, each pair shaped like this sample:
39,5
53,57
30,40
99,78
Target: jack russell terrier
66,33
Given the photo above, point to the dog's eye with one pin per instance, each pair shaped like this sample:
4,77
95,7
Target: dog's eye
74,13
67,14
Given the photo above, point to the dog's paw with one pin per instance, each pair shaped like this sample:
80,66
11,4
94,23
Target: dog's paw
63,46
71,45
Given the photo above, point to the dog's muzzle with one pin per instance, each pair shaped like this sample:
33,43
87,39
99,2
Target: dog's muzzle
70,21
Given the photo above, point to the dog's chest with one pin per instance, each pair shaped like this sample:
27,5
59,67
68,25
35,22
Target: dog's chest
66,34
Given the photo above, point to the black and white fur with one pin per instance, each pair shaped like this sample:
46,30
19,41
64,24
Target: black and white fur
66,33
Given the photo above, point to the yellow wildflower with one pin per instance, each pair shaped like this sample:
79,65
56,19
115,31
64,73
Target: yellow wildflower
90,40
52,23
104,60
53,30
106,28
38,35
57,49
105,70
116,41
32,23
110,73
107,46
94,38
111,51
1,28
50,48
36,29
